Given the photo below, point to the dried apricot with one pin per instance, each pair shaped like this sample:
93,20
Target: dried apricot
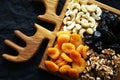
84,52
53,53
62,63
83,62
51,66
64,69
62,39
73,73
78,67
63,32
76,39
75,56
59,60
79,48
68,47
66,57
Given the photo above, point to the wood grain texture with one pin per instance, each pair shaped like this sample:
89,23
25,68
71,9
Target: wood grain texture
45,56
33,42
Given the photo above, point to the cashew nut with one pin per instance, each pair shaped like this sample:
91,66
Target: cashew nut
92,20
78,26
69,4
66,19
71,26
75,11
65,28
81,18
81,32
72,15
98,11
84,22
83,8
67,12
95,16
69,19
74,30
94,28
78,17
91,8
83,1
89,31
75,6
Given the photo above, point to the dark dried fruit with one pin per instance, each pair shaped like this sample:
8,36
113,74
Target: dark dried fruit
107,33
98,46
97,35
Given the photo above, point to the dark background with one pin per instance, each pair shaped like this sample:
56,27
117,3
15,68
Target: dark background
21,15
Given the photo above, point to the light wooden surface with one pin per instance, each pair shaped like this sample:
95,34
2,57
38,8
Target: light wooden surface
32,44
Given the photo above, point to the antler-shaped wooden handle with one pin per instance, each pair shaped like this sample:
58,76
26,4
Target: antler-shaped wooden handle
32,44
50,14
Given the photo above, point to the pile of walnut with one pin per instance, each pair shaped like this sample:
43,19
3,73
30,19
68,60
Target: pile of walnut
101,66
81,17
68,56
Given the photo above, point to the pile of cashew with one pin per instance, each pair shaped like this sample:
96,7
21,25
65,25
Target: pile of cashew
81,17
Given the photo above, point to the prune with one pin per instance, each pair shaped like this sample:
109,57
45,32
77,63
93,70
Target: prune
116,27
107,33
113,17
98,46
89,36
88,42
97,35
108,17
115,47
108,37
104,14
102,27
88,39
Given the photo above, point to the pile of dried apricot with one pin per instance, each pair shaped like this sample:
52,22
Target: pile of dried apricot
68,55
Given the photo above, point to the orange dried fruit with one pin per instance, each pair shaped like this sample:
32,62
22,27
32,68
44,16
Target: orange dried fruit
76,39
62,63
75,56
53,53
63,32
62,39
78,67
73,73
64,69
66,57
51,66
84,51
59,60
79,48
68,47
82,62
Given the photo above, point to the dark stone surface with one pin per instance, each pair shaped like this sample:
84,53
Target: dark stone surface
21,15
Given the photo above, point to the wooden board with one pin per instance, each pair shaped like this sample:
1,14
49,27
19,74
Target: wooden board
33,42
103,6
